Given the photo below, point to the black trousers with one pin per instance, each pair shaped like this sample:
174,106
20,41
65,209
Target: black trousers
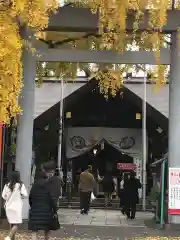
68,188
130,209
85,198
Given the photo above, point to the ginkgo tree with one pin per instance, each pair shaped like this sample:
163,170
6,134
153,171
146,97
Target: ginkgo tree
14,15
34,14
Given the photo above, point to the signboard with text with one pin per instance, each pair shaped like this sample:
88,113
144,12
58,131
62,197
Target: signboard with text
69,177
174,191
126,166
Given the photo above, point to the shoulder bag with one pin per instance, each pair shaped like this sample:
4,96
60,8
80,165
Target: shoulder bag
8,198
54,224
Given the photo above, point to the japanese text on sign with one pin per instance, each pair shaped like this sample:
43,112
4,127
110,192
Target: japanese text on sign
174,177
126,166
174,191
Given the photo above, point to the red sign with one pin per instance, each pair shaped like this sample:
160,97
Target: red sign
126,166
174,211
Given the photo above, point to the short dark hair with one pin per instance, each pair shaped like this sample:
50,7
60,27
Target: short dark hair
89,168
49,166
132,174
15,178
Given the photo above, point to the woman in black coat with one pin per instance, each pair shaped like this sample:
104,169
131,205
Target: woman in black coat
122,192
42,207
131,195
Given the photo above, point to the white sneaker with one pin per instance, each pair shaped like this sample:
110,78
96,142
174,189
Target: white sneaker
7,238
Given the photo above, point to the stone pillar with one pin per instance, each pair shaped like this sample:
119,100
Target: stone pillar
174,110
25,123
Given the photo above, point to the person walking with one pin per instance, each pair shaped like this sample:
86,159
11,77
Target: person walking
108,187
54,182
43,207
12,193
86,186
131,195
98,180
43,201
122,192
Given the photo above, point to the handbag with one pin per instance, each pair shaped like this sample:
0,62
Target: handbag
92,196
55,225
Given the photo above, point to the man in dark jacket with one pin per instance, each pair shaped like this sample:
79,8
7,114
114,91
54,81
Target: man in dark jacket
54,182
131,195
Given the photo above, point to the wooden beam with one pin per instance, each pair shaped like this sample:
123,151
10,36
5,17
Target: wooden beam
88,56
71,19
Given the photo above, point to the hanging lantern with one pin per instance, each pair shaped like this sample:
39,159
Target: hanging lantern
102,146
95,151
46,128
138,116
68,115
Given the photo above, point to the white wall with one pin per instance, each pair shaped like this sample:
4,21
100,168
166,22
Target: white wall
50,93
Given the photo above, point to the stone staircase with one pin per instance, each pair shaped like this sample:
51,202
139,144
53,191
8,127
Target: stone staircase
98,203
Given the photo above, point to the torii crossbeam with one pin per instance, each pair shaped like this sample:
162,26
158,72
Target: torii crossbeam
83,20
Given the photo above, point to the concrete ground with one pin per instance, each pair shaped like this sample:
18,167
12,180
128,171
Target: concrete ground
106,225
100,225
101,218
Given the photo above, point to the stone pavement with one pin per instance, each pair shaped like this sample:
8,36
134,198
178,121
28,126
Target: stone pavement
99,225
101,218
105,225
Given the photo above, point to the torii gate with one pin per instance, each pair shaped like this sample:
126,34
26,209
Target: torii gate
70,19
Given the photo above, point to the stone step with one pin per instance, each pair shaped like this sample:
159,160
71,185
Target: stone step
97,204
100,200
